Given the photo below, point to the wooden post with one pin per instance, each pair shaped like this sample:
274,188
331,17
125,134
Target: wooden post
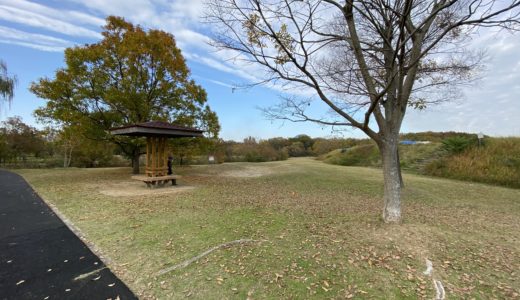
147,155
160,157
164,158
154,154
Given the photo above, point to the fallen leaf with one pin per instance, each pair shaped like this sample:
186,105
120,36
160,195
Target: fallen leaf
325,289
326,283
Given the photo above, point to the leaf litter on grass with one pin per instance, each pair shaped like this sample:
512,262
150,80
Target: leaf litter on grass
322,222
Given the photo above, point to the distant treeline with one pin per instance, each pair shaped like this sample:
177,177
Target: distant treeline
23,146
280,148
450,154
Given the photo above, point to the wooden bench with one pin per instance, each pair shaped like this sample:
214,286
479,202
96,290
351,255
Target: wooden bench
157,181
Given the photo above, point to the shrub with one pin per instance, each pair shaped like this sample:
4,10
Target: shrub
458,144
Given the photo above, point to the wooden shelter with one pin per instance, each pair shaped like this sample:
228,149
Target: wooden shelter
156,133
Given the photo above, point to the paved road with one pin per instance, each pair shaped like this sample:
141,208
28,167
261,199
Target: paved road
40,258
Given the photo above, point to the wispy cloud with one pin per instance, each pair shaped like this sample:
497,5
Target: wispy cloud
28,18
218,82
140,11
61,14
33,40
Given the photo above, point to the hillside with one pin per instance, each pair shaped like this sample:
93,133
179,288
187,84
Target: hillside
497,161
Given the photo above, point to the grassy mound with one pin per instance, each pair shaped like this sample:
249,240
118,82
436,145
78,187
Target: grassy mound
413,157
362,155
497,161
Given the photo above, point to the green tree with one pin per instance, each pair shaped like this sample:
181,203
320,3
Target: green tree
4,147
20,140
130,76
305,140
7,85
278,143
296,149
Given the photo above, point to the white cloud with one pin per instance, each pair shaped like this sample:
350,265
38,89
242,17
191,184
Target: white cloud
65,15
491,106
32,40
28,18
140,11
188,9
34,46
218,82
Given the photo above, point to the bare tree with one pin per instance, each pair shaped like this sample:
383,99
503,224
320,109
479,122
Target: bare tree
368,61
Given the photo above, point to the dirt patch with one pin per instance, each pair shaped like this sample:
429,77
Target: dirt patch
248,172
132,188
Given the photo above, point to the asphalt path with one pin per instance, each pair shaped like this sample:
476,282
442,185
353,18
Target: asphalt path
40,257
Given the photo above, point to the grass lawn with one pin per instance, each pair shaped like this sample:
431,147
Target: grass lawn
319,226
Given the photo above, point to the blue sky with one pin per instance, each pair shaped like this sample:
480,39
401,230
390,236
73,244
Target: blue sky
33,35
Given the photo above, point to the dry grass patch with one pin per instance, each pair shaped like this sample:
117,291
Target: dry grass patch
133,188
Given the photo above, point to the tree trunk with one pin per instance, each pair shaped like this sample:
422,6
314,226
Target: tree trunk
67,157
400,171
70,157
135,162
392,182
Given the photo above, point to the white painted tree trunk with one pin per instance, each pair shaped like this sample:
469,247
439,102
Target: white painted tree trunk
392,183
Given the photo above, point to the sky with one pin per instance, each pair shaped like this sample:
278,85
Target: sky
33,35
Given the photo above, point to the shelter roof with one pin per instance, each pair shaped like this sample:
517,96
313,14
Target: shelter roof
156,128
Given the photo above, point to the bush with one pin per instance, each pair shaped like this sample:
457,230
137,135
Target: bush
458,144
